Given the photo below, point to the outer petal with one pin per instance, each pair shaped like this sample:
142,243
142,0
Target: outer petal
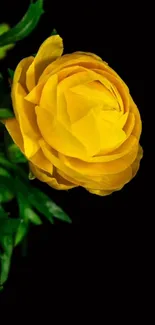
103,168
102,192
13,128
87,61
99,192
136,164
27,120
138,123
51,155
48,52
104,182
90,54
56,182
41,162
20,73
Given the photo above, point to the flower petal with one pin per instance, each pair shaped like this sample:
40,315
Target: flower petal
13,128
99,192
40,161
136,164
35,94
111,136
101,168
48,100
77,105
86,131
52,156
87,61
49,51
138,123
20,73
56,182
128,127
57,136
25,114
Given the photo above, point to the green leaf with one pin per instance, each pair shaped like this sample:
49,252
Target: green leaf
6,194
6,113
5,258
32,216
21,231
27,191
6,188
13,152
3,50
11,73
3,213
50,209
4,172
25,26
5,163
37,202
8,226
25,211
57,212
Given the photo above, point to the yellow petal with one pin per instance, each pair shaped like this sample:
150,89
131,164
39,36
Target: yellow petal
39,160
136,164
99,192
128,128
122,90
87,61
119,82
86,131
101,168
27,120
105,182
67,72
97,97
13,128
108,98
48,99
110,182
138,123
111,136
126,148
77,105
57,136
90,55
52,156
64,85
49,51
20,73
35,94
56,182
76,79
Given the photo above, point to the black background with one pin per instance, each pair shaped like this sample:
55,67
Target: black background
115,33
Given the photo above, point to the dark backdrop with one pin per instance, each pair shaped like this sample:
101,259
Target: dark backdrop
114,33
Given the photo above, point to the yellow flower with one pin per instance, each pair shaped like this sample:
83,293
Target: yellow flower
75,120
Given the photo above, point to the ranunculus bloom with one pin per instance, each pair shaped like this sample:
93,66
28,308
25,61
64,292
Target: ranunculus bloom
75,120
